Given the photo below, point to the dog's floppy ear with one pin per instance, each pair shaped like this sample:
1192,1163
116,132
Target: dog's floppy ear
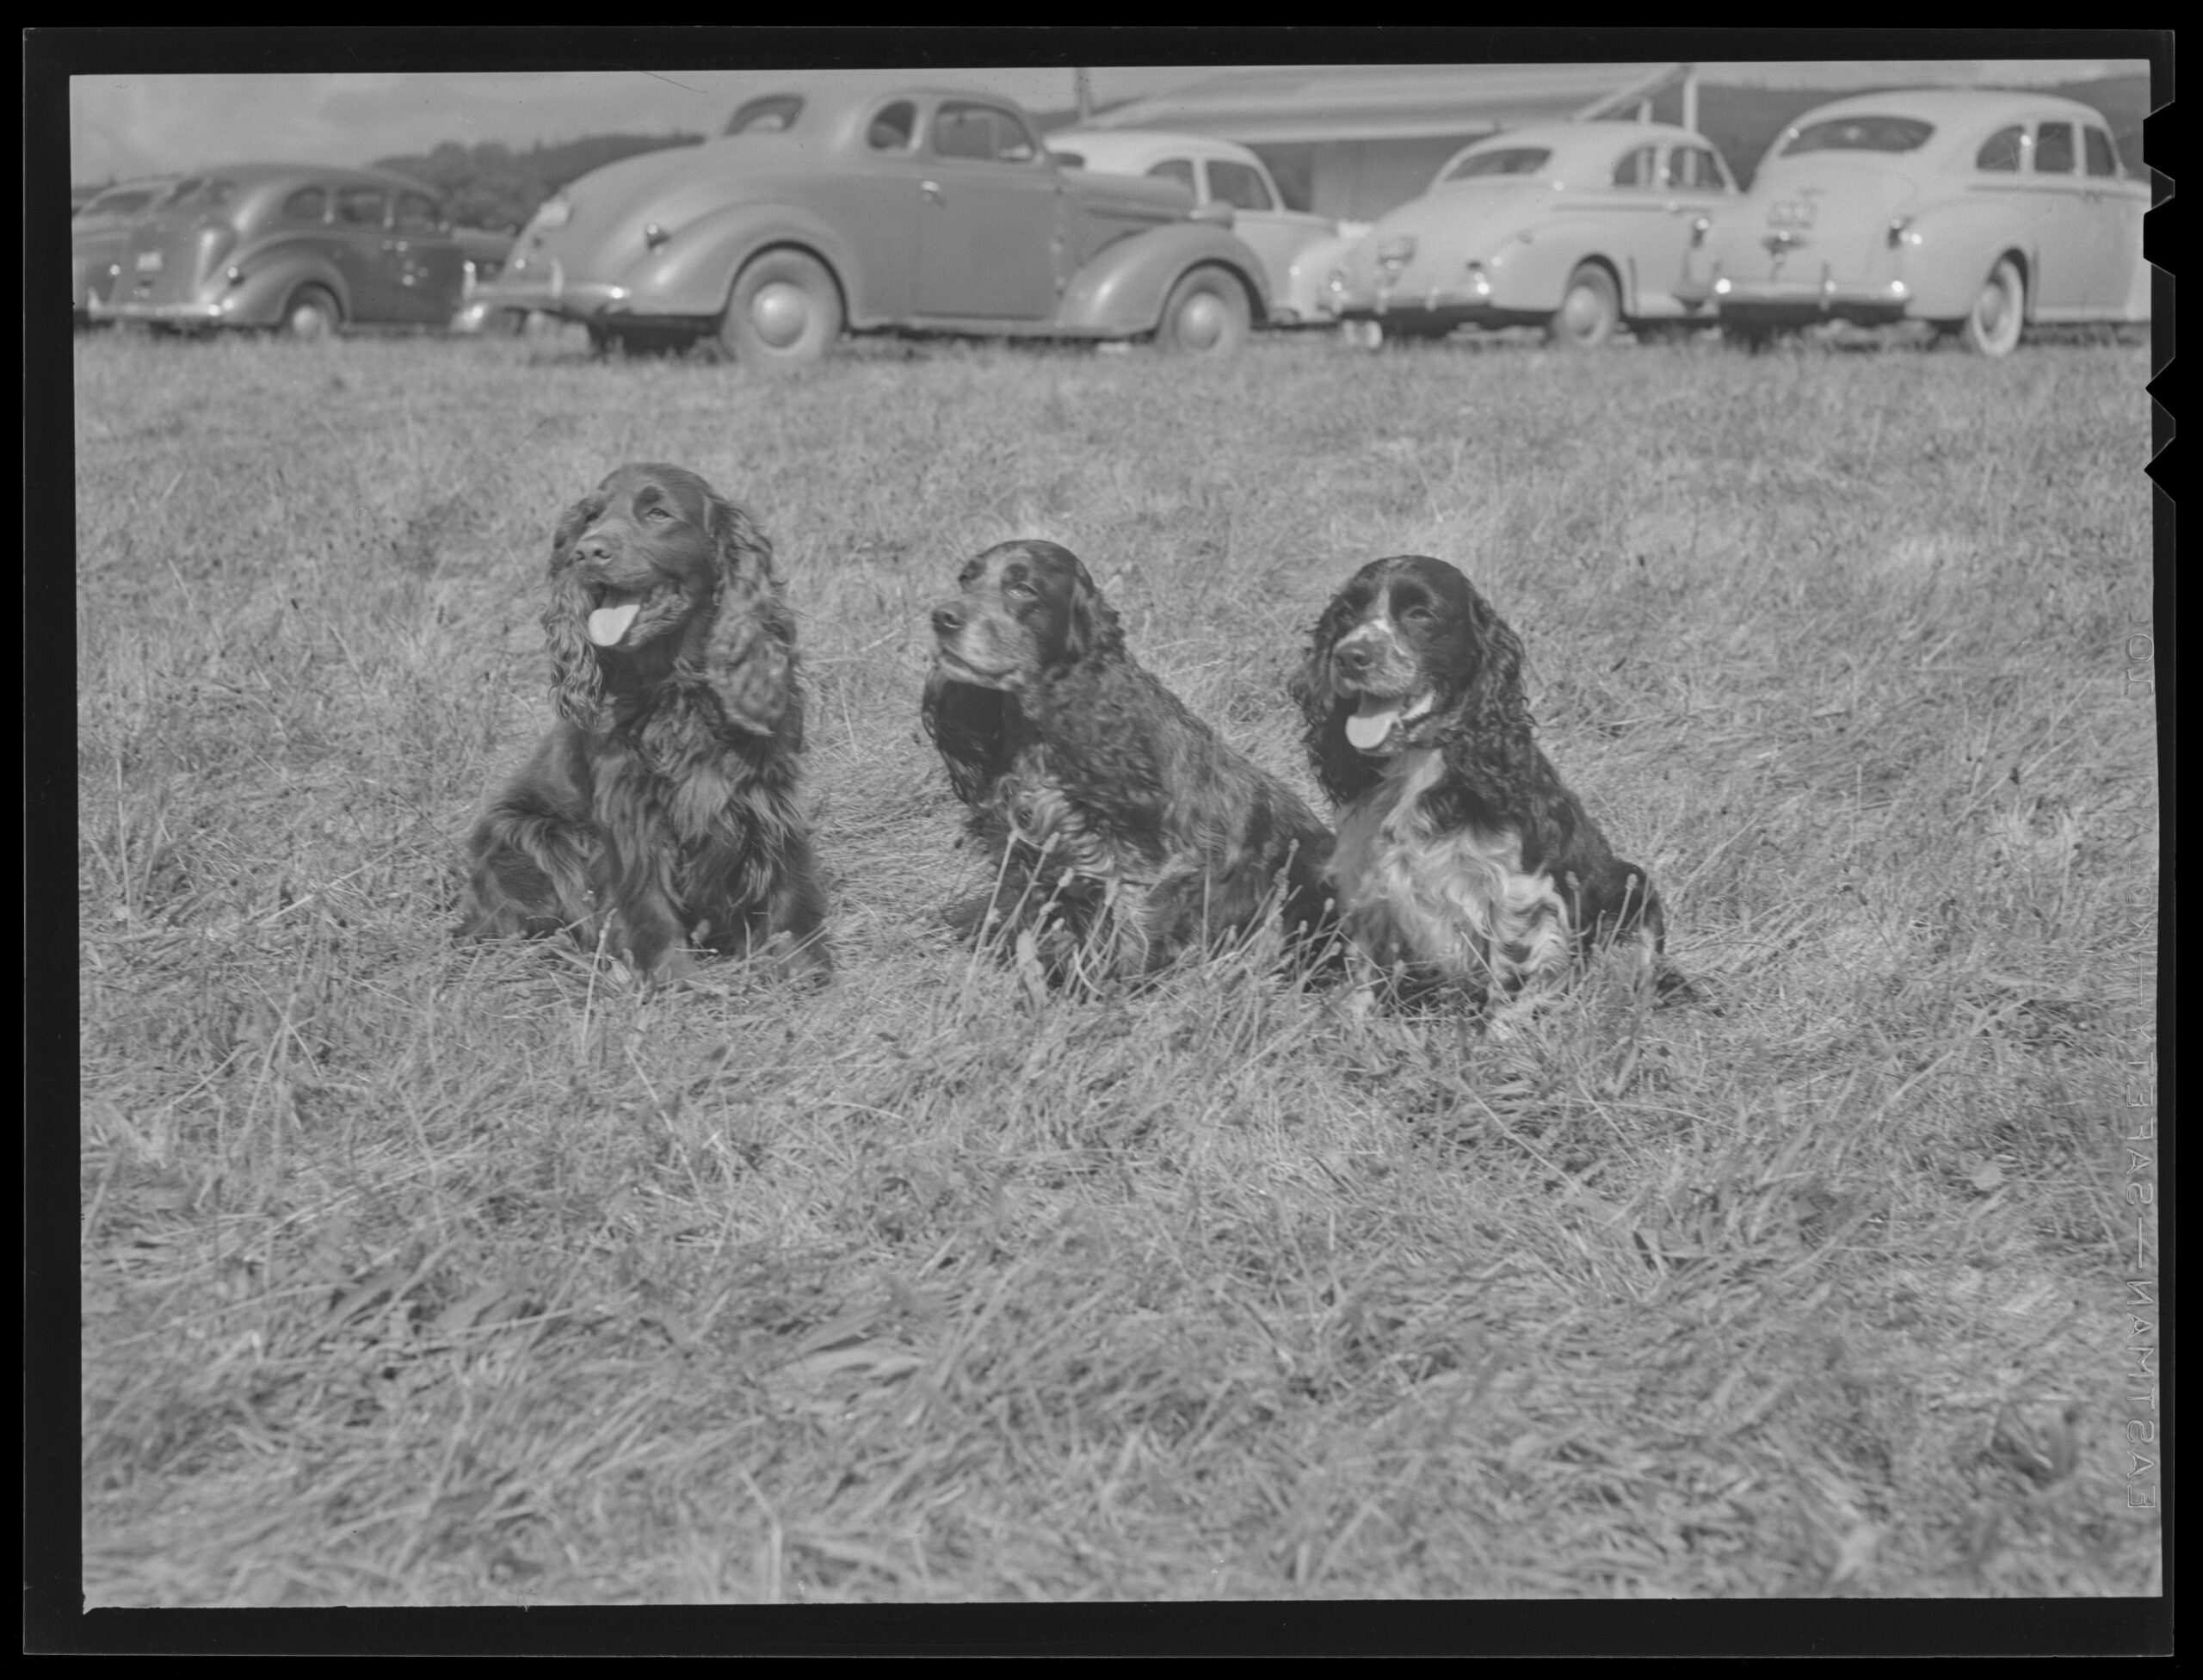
1090,623
748,655
1345,774
966,722
577,684
1492,728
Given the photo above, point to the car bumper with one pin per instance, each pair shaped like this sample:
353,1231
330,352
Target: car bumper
1799,303
183,314
553,294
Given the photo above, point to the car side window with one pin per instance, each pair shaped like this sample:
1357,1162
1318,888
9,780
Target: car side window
1694,169
2000,152
308,204
417,214
1180,170
2053,148
360,206
2103,157
891,130
1239,185
983,132
1640,168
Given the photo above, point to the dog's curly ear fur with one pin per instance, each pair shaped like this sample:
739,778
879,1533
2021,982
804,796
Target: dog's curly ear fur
1344,773
1091,626
749,657
576,685
1489,738
966,722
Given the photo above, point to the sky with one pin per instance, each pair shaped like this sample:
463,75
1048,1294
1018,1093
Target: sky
125,125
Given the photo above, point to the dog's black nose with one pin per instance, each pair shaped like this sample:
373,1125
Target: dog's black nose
592,546
1354,659
947,621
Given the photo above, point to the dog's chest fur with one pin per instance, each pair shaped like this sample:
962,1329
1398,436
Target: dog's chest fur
1457,901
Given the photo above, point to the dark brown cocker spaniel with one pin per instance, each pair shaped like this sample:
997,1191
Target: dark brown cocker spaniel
1127,832
661,809
1461,858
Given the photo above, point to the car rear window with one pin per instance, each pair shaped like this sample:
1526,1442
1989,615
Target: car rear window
2053,148
1863,133
417,212
2001,150
1180,170
1695,167
308,204
1509,160
1238,186
769,115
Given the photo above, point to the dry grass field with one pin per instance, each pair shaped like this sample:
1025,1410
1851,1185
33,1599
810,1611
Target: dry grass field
420,1273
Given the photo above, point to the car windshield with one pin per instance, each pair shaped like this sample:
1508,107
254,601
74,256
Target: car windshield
122,200
768,115
1865,133
202,192
1509,160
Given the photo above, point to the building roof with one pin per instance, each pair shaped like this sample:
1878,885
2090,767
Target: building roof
1280,104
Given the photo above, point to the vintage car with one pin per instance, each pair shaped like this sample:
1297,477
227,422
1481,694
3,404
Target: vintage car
303,248
914,210
1978,212
1297,248
1577,227
98,232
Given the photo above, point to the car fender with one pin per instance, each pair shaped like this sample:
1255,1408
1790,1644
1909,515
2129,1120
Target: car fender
1533,275
257,300
1954,246
1121,291
694,274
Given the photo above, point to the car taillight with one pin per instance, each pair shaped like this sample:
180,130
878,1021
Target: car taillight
654,235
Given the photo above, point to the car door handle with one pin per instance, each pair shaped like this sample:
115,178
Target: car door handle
931,191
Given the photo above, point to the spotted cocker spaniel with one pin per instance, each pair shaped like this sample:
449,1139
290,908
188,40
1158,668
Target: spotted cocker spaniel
1125,831
1462,862
660,811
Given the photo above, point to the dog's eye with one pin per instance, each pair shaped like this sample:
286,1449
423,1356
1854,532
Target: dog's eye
1419,614
659,514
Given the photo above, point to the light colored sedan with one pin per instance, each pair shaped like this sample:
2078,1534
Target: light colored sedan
1222,172
1578,227
100,231
1978,212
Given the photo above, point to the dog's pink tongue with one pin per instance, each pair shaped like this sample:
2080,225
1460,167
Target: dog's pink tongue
1372,722
607,624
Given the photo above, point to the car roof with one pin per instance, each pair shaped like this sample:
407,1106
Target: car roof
1952,106
1131,147
1578,143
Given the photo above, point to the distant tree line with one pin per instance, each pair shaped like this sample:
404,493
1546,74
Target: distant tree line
492,186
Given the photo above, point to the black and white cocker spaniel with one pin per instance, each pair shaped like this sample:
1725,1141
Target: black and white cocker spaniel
1461,860
1126,831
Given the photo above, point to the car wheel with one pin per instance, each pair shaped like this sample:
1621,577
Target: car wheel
1590,309
311,313
1205,315
785,310
1992,326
